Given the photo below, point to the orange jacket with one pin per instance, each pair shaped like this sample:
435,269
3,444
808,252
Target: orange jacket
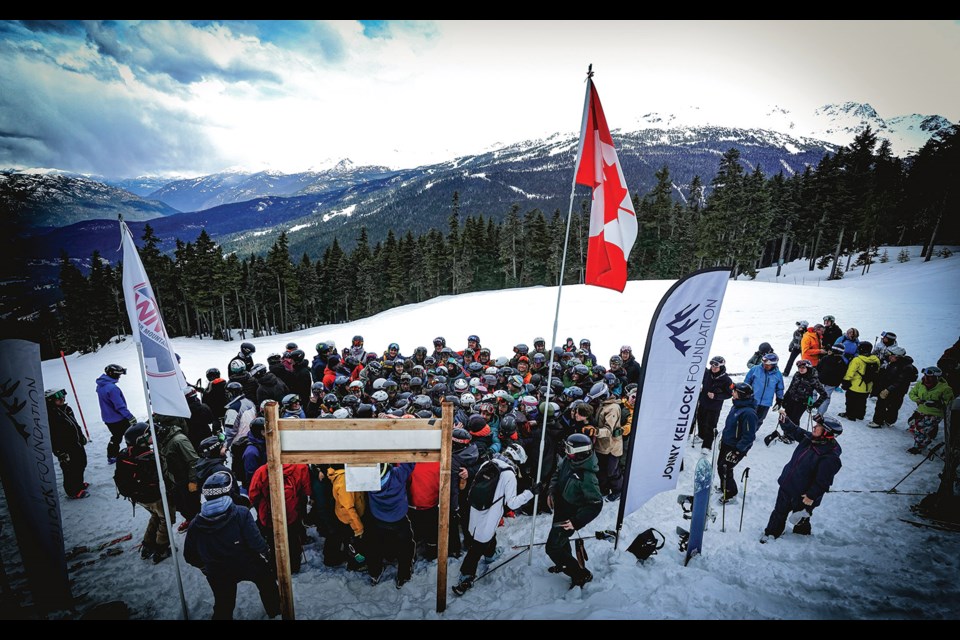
810,346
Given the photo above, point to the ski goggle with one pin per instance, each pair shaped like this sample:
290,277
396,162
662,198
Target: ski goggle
58,395
572,450
936,372
717,362
803,363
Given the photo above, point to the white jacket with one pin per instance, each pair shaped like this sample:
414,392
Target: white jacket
483,524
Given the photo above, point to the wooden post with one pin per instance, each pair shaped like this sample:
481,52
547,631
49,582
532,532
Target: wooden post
278,512
443,534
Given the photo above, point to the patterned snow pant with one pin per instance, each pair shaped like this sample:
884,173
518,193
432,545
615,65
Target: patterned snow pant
924,428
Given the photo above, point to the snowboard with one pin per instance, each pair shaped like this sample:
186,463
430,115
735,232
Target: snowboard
701,502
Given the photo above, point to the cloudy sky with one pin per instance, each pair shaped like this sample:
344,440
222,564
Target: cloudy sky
123,99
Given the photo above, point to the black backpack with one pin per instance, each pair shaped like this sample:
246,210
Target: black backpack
136,475
871,372
485,486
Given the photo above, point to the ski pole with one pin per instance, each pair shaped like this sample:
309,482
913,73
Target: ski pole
76,397
723,507
929,455
743,478
510,559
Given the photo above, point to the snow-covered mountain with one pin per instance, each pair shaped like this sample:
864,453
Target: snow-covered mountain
49,199
204,192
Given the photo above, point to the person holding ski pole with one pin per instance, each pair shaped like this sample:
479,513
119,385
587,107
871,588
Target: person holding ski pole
807,476
739,433
576,500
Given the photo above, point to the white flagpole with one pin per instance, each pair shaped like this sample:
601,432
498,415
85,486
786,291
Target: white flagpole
156,459
163,484
556,315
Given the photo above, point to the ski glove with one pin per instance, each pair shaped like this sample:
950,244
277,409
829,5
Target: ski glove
64,458
884,394
734,457
845,385
132,421
796,516
776,405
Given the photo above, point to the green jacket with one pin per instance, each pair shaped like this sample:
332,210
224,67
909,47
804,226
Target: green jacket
178,458
576,491
941,395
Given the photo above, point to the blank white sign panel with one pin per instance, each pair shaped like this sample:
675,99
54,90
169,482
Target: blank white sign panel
358,440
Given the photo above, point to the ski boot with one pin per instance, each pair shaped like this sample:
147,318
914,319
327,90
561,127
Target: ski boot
580,577
802,528
494,556
162,554
466,582
147,551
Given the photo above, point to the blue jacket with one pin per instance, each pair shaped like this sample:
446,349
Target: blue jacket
767,385
254,456
849,347
113,406
812,467
227,545
390,503
740,429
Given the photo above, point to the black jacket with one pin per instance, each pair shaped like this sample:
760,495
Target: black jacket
272,388
227,546
721,385
897,377
65,434
831,370
632,367
805,386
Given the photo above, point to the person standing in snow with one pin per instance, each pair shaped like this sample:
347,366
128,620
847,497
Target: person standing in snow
862,372
67,442
894,383
757,356
807,476
113,408
794,347
831,332
739,433
882,347
484,522
811,345
389,531
224,543
717,387
575,498
831,370
766,381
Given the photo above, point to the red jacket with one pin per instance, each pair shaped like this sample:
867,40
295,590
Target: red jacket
329,377
296,489
425,485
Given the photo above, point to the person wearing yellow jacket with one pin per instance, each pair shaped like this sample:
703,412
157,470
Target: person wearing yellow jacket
346,536
932,395
862,371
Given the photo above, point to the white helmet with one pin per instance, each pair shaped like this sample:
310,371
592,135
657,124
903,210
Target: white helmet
515,453
467,400
378,383
380,396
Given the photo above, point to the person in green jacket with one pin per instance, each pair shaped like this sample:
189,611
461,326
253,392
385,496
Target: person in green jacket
178,459
576,500
933,395
862,371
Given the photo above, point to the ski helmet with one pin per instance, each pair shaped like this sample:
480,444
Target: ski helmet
578,447
461,439
832,426
864,349
460,385
133,433
257,426
114,371
599,391
743,390
289,400
54,394
476,423
212,374
467,400
515,453
246,348
210,447
771,358
234,389
237,367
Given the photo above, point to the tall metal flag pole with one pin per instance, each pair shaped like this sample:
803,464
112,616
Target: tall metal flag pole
556,315
145,322
677,347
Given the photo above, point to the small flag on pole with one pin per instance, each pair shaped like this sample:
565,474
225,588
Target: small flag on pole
613,222
164,378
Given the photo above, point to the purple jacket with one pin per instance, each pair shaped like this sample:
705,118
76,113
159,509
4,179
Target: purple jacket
113,406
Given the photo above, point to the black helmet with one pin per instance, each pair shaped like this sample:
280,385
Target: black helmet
237,367
416,382
461,439
508,427
578,447
133,433
291,346
616,361
297,355
375,367
351,362
274,359
581,370
365,410
350,401
114,371
257,425
439,341
234,389
864,348
246,348
585,342
210,447
212,374
599,370
522,349
743,390
357,339
476,423
391,384
331,400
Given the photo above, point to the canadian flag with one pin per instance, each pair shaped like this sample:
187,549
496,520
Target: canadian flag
613,222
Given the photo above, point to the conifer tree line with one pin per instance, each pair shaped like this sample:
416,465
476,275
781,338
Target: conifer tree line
853,200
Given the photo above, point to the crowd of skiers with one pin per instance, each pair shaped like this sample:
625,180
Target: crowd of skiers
218,453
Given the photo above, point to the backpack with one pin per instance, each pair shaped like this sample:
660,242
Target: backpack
485,486
871,372
136,475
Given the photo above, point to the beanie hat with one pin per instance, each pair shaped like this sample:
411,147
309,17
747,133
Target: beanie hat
217,485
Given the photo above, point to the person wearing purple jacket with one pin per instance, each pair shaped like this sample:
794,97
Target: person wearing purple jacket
389,531
113,409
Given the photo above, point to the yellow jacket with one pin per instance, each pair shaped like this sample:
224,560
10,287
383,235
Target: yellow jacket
855,371
347,505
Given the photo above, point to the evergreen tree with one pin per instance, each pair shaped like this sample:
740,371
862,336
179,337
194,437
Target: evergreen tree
74,309
511,242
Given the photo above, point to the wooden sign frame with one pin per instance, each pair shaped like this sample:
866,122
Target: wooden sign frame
376,440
